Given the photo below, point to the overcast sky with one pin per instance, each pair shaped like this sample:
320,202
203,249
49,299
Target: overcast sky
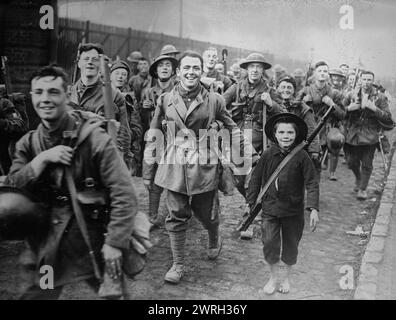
299,29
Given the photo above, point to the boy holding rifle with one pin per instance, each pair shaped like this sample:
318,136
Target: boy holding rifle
283,204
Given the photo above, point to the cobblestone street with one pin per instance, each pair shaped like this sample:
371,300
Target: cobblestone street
240,271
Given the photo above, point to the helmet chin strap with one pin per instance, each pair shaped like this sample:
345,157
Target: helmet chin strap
164,79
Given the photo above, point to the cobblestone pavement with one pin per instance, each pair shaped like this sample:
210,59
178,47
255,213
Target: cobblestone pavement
240,271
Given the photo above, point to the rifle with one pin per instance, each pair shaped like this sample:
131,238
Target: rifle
380,137
108,97
255,210
6,74
75,67
224,55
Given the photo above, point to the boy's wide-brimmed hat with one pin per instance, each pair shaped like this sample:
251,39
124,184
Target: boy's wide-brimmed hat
153,67
286,118
255,57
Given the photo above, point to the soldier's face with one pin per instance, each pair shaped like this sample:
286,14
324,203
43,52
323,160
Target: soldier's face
164,69
337,81
322,73
143,66
344,69
367,81
49,98
210,59
255,71
189,72
119,77
286,90
285,134
299,79
89,63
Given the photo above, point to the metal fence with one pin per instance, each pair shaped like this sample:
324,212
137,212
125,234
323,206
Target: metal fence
122,41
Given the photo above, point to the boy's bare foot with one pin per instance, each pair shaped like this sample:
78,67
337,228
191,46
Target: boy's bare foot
270,287
284,286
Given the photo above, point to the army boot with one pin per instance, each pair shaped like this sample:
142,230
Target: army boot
176,272
215,243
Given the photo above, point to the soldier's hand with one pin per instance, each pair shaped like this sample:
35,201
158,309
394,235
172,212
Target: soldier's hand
148,104
314,156
218,85
353,106
307,98
147,184
314,219
113,260
327,100
59,154
266,97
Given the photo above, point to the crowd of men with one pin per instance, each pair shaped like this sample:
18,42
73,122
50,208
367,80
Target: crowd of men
184,91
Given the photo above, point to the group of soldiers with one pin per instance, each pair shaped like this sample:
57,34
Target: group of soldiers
189,92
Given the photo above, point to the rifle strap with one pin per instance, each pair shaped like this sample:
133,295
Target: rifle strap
80,219
278,170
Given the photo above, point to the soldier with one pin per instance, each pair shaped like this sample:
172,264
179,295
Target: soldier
337,79
142,80
38,168
344,68
319,95
299,78
169,50
12,127
162,69
119,75
191,181
279,72
87,93
211,77
134,58
364,107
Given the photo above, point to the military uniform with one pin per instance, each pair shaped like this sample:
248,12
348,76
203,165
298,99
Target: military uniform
90,98
216,76
138,84
97,168
361,133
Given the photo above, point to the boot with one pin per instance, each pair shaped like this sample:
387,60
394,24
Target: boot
215,243
362,195
177,240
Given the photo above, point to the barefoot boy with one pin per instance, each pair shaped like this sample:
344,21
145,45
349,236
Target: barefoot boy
283,204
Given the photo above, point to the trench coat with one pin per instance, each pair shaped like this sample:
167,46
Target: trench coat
96,158
186,174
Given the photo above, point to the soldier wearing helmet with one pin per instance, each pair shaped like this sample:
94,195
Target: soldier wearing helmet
169,50
134,58
299,77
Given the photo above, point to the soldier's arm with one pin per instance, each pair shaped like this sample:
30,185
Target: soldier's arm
154,138
122,194
309,119
10,119
339,110
124,132
135,122
229,95
382,112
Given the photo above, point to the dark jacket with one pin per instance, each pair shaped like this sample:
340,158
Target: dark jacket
361,126
138,84
285,196
214,74
97,159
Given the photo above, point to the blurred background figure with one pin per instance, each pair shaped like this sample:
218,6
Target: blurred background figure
134,58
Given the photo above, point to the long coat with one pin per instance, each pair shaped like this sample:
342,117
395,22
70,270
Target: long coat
178,168
96,160
361,126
